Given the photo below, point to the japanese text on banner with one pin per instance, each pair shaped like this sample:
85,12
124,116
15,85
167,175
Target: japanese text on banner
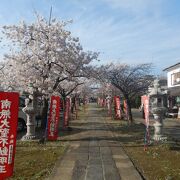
8,131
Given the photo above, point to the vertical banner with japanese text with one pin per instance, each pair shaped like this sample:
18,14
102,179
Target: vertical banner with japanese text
146,110
126,109
145,102
9,106
67,112
101,102
117,107
53,118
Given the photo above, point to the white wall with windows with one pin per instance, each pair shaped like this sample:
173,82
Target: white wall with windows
174,77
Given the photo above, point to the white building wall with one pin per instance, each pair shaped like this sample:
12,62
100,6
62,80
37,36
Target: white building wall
170,77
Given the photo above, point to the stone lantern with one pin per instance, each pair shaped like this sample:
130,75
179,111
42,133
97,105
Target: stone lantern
158,110
30,111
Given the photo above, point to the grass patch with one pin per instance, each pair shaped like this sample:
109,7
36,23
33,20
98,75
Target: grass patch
158,162
36,161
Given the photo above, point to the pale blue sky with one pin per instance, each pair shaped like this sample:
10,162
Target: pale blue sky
131,31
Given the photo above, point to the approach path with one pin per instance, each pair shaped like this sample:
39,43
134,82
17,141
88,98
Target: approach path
94,153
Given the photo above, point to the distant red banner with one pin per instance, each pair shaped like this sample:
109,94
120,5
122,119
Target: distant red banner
9,106
53,119
145,102
67,112
117,107
126,108
101,102
145,105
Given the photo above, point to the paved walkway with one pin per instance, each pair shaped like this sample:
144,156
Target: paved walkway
94,152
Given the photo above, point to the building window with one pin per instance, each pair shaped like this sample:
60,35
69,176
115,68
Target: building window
175,78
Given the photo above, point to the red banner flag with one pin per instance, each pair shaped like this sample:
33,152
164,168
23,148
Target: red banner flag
67,112
126,109
101,102
145,102
117,107
145,105
9,106
53,118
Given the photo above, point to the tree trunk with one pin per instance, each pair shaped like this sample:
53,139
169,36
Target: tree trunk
73,105
44,113
79,101
64,108
129,112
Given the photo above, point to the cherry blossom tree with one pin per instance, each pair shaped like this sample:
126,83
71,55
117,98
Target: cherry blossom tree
131,80
1,74
44,54
67,87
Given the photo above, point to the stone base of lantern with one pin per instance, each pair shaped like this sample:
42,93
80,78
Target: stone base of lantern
29,137
158,136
